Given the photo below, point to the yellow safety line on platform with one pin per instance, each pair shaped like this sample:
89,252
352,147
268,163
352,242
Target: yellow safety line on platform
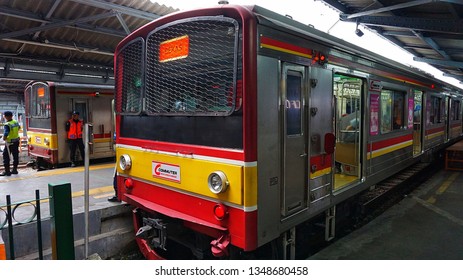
104,195
59,171
445,185
97,193
94,191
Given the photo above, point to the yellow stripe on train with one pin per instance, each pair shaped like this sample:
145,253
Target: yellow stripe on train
190,175
389,149
434,135
41,140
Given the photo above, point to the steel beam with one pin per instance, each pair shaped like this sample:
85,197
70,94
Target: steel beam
123,9
448,63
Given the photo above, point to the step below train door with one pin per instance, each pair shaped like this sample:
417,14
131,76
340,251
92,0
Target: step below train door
294,139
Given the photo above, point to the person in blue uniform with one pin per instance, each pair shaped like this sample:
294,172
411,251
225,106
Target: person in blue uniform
12,139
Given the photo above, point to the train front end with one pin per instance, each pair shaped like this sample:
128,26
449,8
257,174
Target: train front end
42,138
181,144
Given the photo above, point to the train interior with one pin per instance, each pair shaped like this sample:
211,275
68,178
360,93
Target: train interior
348,98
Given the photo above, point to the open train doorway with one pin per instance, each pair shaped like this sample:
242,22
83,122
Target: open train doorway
348,118
417,123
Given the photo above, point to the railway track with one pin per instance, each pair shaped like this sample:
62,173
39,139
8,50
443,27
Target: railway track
393,188
373,202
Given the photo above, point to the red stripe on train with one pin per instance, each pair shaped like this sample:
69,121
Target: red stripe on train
184,149
389,142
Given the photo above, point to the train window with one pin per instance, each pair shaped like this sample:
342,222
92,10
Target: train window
39,104
293,104
202,80
129,83
456,110
392,110
435,110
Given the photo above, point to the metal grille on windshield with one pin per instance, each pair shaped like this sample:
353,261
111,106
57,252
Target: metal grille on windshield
192,68
129,78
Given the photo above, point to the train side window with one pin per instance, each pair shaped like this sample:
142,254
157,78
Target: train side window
456,109
392,110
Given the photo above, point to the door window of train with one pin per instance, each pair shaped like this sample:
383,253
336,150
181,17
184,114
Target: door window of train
435,112
39,105
456,109
293,103
392,110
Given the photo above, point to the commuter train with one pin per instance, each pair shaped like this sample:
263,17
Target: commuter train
49,106
236,126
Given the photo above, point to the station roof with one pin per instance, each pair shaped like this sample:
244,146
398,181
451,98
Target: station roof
74,40
431,30
66,40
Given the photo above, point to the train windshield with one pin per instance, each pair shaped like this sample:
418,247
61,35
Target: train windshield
38,105
191,70
183,69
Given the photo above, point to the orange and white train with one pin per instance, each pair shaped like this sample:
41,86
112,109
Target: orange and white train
236,126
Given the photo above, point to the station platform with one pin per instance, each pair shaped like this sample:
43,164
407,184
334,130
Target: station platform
110,223
426,225
22,187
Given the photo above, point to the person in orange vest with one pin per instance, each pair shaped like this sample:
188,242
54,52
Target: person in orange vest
74,128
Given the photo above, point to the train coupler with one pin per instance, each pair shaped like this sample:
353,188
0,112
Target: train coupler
219,247
154,231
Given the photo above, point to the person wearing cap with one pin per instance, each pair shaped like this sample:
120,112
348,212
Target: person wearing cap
74,128
12,139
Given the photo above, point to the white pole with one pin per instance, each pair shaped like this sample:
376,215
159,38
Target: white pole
87,132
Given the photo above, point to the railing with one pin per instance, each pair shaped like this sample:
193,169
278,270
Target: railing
61,221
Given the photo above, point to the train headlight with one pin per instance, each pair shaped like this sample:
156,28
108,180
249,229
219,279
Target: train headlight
125,162
217,182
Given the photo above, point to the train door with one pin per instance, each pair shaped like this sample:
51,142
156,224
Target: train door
294,142
81,105
447,118
348,91
417,123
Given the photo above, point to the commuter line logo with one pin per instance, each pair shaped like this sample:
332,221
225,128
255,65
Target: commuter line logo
166,171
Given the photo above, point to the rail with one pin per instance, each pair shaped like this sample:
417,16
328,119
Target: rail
10,221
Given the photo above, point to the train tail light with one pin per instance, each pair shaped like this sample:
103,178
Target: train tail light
220,211
128,183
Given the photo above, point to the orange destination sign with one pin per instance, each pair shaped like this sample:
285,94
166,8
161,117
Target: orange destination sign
174,49
41,92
